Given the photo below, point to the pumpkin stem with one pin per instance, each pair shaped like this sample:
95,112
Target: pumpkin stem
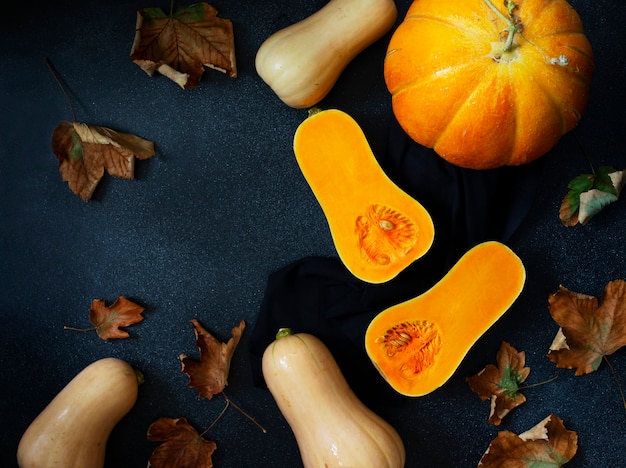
283,332
499,13
140,377
512,26
314,110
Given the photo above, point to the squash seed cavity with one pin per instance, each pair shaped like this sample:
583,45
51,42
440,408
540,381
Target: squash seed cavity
385,235
413,346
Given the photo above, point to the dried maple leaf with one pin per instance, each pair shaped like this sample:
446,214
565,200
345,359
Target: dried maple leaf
549,443
179,45
85,151
209,376
182,445
590,329
107,320
589,193
501,384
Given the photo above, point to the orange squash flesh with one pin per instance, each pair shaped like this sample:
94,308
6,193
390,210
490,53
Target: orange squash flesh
418,345
454,90
377,228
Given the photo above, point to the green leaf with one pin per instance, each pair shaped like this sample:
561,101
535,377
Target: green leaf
603,181
581,183
589,194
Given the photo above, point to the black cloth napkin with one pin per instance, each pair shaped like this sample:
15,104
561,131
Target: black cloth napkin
320,296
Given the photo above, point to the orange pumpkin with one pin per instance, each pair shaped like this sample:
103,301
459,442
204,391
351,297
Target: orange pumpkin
489,85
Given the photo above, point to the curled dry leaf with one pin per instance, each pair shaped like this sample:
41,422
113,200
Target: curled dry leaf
179,45
182,445
501,383
548,443
589,193
590,329
108,320
85,151
209,376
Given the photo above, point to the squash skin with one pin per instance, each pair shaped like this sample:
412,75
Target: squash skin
332,426
349,184
463,305
72,431
302,62
448,92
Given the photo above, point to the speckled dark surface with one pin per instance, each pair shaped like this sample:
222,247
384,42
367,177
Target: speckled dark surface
221,206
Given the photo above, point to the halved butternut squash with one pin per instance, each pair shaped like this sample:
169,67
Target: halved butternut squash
377,228
417,345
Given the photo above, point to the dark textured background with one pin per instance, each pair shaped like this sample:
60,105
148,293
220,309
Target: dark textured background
221,206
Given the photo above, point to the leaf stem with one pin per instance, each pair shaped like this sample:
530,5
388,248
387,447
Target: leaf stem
538,383
230,402
244,413
219,416
619,386
65,327
581,147
56,77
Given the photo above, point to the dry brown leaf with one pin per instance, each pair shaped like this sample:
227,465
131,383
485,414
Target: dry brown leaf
548,443
108,320
182,445
501,384
209,376
85,151
181,44
590,329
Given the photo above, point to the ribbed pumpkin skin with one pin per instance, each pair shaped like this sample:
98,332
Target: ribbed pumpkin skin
450,94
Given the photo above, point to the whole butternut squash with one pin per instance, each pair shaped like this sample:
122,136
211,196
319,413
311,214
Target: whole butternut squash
333,428
302,62
378,229
489,83
417,345
72,431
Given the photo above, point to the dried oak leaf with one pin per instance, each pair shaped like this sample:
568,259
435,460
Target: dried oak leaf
548,443
589,193
209,376
590,329
85,151
179,45
501,384
182,445
108,320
